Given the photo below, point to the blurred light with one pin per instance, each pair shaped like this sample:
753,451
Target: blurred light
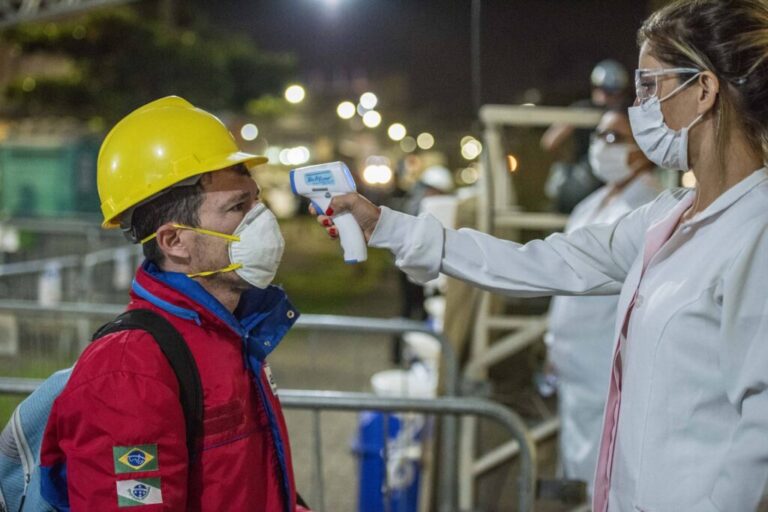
346,110
466,139
298,155
689,180
511,163
78,32
471,149
295,94
29,84
283,156
368,100
396,131
469,175
532,96
249,131
425,140
273,153
377,174
372,119
529,104
10,241
408,144
361,110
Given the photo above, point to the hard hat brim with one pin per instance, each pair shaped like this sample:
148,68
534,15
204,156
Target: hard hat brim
217,163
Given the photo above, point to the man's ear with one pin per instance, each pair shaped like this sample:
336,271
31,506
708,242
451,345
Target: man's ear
710,87
171,243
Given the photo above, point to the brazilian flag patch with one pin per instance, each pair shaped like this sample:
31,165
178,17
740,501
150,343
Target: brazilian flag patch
132,459
141,491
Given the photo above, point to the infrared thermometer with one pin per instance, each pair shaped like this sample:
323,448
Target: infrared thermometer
320,183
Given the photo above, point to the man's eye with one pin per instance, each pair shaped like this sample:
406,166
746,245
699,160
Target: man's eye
238,207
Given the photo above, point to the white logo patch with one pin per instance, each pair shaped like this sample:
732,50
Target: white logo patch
143,491
270,378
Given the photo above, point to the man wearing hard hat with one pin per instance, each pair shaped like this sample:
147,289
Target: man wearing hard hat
173,179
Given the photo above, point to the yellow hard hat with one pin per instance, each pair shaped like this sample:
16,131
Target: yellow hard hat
157,146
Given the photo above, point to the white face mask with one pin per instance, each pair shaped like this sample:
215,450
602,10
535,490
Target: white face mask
661,144
610,162
260,248
255,248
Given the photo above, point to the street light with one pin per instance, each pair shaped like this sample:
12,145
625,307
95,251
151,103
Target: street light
249,131
408,144
471,149
396,131
372,119
425,140
295,94
368,100
346,110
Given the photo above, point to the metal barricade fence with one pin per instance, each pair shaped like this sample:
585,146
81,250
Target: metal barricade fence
318,401
83,313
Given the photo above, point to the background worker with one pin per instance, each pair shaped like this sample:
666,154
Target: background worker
571,178
580,336
687,409
172,177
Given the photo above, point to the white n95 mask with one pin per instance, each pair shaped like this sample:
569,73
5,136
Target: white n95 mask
255,247
260,248
610,162
662,145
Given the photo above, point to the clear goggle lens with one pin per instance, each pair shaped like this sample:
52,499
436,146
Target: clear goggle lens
647,80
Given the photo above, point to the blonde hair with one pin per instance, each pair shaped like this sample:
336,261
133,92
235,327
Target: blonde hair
730,39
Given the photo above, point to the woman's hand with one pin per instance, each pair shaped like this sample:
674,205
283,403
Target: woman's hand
365,213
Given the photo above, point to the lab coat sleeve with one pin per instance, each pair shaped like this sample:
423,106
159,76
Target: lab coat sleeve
593,260
743,360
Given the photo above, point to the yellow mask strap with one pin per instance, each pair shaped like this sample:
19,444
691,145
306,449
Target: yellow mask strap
231,238
228,268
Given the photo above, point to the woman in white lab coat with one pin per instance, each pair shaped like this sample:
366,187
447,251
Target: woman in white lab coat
580,352
686,420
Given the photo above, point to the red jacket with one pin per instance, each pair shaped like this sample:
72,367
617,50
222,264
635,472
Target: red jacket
116,434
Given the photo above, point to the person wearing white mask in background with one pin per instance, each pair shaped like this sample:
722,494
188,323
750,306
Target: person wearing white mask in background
579,351
686,419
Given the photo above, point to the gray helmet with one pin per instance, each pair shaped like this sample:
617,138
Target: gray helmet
610,76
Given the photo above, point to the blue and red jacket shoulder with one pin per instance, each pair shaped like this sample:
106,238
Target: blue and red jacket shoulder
116,436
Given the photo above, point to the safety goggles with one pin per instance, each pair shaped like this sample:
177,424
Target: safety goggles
647,80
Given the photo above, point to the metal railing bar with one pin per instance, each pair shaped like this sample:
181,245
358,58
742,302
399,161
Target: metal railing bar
342,401
319,482
449,364
346,401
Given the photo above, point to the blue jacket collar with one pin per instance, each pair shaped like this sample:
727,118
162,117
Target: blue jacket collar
262,318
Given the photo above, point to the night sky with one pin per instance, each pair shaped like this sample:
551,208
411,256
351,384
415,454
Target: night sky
546,44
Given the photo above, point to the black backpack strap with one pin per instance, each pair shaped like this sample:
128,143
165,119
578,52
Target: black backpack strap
300,501
177,352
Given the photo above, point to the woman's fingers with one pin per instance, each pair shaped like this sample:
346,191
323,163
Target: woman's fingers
366,213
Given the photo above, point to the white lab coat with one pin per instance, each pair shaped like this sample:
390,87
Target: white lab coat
692,430
580,339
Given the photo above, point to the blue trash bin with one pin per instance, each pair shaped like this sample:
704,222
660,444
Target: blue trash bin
403,463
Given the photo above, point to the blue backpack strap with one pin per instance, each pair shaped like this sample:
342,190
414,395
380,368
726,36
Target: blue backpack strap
177,352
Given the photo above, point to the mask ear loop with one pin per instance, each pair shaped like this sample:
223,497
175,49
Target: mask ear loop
230,238
228,268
